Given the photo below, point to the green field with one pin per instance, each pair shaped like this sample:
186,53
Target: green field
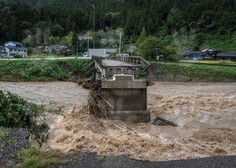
199,72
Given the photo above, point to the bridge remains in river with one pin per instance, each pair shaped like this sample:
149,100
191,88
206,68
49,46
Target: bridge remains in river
120,88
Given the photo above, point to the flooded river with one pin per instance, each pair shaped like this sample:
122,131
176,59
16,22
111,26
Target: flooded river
204,112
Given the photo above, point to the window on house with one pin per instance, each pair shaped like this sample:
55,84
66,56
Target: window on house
118,71
111,72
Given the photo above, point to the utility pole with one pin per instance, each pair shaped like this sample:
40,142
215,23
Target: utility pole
120,42
88,43
93,6
131,49
77,47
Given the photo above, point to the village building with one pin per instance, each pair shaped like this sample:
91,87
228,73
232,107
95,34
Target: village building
190,54
210,52
226,56
14,48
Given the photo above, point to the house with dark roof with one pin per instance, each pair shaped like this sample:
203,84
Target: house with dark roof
57,49
81,38
226,56
210,52
191,54
15,48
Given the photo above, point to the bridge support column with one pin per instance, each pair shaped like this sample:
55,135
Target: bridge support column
127,98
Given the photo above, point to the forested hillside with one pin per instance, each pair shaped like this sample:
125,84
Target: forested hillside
191,24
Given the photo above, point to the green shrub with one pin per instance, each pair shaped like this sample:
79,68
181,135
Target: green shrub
15,112
101,158
142,74
30,50
17,56
172,58
35,157
3,132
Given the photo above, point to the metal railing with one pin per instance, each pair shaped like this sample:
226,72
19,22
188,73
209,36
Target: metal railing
132,60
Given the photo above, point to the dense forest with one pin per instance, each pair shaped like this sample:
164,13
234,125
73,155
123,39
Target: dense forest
190,24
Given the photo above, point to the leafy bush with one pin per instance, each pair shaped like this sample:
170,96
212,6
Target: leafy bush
172,58
3,132
15,112
17,56
142,74
151,47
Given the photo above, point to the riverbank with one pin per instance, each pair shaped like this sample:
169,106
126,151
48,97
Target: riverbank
189,72
76,70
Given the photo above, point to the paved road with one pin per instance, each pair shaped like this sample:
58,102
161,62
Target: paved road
58,58
88,160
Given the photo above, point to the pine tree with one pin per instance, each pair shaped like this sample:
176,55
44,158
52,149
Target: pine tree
142,37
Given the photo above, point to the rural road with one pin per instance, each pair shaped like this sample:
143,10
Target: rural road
58,58
88,160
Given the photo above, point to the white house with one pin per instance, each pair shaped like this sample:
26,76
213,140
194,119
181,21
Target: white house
15,48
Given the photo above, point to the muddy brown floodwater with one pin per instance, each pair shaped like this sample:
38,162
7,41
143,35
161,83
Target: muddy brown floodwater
204,112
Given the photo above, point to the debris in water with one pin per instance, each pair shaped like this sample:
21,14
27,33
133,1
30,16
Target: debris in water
161,121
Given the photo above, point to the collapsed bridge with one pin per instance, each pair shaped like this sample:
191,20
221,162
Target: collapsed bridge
120,88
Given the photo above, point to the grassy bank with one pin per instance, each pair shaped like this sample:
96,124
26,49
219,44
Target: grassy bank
44,70
72,70
196,72
18,120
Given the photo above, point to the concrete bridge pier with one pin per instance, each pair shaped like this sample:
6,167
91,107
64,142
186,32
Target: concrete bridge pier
120,87
127,97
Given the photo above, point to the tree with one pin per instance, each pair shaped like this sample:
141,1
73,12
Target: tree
170,52
70,40
42,33
57,30
54,40
151,47
174,17
29,41
142,37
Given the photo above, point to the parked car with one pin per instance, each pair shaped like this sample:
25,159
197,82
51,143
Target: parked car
198,57
85,54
